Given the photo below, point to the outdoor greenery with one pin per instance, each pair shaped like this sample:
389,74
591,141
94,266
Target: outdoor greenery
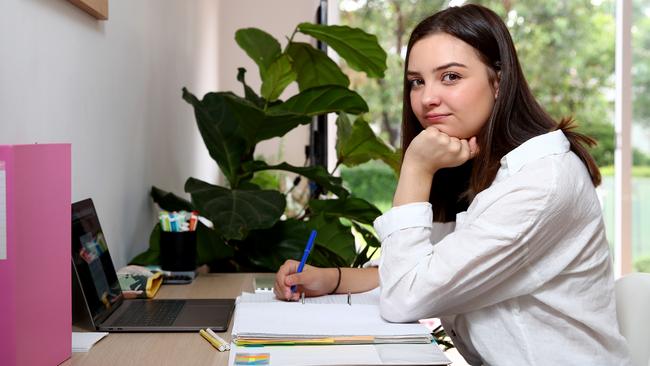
642,264
373,182
637,171
256,226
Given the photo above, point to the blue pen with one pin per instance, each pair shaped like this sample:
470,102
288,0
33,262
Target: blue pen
305,254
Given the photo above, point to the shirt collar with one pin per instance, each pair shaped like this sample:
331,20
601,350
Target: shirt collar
550,143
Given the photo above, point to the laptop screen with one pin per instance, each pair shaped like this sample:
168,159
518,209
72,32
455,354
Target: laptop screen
93,262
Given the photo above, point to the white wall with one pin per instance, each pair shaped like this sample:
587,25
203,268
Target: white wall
113,90
278,18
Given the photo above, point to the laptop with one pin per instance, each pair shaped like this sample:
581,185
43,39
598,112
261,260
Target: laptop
95,281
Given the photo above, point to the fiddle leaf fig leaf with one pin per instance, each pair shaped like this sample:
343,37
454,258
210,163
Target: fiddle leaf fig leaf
210,245
258,45
317,174
236,212
249,93
169,201
357,143
314,68
368,236
278,124
276,78
228,125
351,208
333,236
270,248
360,49
323,99
372,245
393,159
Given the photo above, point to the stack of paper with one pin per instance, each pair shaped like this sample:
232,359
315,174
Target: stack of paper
327,331
358,354
325,320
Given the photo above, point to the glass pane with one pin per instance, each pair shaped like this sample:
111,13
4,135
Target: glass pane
641,135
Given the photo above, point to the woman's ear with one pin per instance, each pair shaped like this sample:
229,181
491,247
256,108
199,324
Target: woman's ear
495,84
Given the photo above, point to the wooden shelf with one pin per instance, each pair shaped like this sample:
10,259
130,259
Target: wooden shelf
96,8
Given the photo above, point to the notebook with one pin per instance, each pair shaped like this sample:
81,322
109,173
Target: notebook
330,319
95,281
326,331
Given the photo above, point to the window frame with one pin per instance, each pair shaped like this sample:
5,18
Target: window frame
623,149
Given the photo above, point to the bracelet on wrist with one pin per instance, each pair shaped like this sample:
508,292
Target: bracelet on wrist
338,282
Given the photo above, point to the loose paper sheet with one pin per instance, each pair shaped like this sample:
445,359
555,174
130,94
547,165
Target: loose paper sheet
83,341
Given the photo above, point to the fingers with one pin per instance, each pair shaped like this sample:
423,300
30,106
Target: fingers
465,151
281,289
437,135
474,149
454,144
295,279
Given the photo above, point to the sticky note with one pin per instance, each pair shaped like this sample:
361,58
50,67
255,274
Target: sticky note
246,359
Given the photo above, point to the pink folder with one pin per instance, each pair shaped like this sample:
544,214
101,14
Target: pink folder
35,221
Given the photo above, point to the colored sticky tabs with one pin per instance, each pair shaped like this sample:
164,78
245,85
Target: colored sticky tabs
245,359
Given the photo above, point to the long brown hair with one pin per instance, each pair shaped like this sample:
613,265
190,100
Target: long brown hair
515,118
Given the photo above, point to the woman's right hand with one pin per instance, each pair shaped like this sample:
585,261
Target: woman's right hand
432,149
313,281
429,151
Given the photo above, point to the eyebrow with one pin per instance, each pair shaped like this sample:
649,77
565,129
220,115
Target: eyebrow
441,67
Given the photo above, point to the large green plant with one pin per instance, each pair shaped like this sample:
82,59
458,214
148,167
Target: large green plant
251,231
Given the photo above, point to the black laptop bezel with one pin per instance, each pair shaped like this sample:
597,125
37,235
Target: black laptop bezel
97,317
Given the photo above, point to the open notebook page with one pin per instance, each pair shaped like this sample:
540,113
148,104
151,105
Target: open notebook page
297,319
365,298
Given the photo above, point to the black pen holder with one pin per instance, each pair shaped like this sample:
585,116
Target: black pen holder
178,250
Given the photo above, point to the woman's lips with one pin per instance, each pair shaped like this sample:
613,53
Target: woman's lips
436,117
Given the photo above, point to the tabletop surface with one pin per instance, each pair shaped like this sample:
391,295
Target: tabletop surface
161,349
172,348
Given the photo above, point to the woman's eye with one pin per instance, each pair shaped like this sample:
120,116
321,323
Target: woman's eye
450,78
413,83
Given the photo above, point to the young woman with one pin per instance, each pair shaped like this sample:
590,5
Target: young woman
495,227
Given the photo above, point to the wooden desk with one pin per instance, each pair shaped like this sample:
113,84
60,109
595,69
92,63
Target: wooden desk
171,348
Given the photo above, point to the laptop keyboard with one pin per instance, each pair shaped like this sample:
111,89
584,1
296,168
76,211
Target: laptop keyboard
151,313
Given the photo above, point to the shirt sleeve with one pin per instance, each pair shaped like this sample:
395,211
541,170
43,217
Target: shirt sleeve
483,262
437,230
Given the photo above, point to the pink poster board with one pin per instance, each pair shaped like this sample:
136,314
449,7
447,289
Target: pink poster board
35,221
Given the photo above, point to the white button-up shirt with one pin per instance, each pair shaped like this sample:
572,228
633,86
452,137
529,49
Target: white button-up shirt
523,277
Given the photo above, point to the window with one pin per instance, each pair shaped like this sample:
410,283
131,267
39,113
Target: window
568,52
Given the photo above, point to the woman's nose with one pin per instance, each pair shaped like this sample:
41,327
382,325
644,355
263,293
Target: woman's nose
430,96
